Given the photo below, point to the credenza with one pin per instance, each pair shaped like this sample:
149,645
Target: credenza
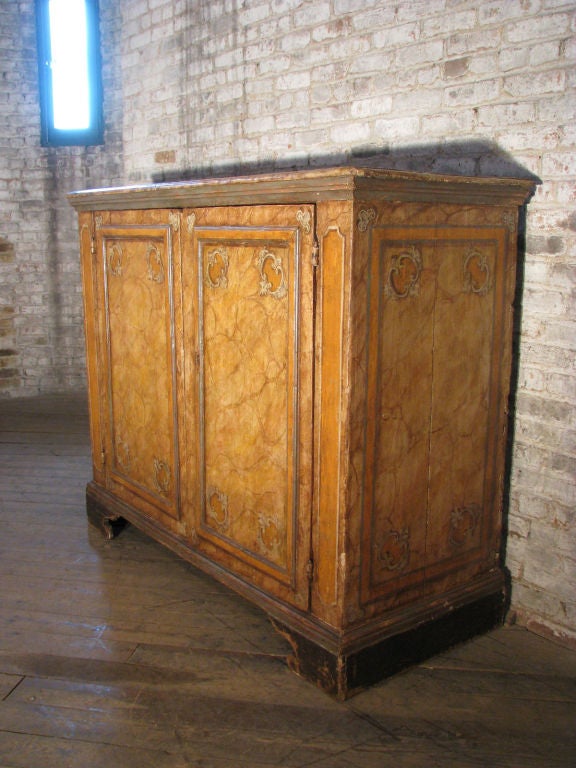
299,382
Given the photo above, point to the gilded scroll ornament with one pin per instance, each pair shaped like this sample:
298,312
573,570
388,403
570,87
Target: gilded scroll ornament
404,274
304,218
161,476
216,273
366,216
155,265
174,219
272,277
509,221
393,551
190,223
476,273
115,258
217,507
463,524
269,534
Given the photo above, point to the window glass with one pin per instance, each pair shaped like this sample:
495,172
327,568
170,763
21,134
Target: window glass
69,65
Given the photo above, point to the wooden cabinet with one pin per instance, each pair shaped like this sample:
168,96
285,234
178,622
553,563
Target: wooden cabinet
299,383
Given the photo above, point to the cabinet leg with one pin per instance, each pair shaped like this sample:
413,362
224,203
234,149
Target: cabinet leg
108,523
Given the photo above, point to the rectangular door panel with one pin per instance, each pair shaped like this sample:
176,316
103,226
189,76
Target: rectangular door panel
253,337
142,452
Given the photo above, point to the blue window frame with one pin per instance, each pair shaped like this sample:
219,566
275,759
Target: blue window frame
69,72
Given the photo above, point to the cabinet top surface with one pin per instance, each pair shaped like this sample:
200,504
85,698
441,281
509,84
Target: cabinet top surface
310,186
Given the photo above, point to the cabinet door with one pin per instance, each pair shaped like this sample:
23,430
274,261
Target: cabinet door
136,254
248,319
439,305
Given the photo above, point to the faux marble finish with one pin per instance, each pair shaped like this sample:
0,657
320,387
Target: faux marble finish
141,391
248,370
251,325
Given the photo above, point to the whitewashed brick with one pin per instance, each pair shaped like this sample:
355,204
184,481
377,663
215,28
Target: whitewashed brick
446,23
350,133
396,127
370,107
416,55
556,25
472,93
350,6
312,15
471,42
541,83
399,34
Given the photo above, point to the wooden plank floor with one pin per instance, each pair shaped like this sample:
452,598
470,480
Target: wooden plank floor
119,655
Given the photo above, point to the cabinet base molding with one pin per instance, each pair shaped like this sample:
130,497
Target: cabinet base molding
346,672
341,664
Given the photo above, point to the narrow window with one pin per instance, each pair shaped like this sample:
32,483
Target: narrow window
69,68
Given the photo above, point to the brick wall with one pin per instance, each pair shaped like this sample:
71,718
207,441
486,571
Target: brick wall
222,85
41,322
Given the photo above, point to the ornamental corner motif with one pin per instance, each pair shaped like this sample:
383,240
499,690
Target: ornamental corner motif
115,260
464,522
270,267
190,223
304,219
392,551
217,508
477,277
155,265
216,272
161,476
269,535
404,274
366,217
509,221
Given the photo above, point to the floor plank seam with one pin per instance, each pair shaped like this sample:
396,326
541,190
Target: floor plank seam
12,690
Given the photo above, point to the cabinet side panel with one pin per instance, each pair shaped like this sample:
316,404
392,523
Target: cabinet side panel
460,426
438,363
400,381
